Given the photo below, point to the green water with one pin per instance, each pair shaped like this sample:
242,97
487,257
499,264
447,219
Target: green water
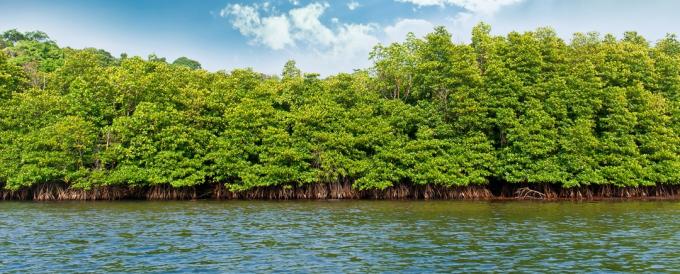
339,236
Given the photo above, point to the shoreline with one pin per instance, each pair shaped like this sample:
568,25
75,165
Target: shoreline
342,191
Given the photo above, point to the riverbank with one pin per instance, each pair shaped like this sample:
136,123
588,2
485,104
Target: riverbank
57,191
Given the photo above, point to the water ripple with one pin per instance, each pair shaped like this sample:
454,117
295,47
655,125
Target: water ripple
339,236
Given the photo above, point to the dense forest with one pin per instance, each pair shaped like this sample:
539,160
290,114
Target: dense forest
524,109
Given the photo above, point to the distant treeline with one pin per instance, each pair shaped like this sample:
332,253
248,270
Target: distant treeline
524,108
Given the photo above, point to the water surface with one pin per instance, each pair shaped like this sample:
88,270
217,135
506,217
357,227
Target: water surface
332,236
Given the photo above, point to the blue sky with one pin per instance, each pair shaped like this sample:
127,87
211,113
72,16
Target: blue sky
322,36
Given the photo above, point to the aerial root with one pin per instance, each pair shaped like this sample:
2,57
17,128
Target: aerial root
528,193
336,190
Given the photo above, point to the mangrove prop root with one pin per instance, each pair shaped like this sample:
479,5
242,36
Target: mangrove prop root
527,193
338,190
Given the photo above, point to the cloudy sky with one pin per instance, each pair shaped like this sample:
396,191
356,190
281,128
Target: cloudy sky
322,36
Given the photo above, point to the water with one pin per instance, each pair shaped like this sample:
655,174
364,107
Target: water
339,236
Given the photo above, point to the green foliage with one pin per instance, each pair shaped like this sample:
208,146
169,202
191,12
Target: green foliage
186,62
12,78
290,71
522,108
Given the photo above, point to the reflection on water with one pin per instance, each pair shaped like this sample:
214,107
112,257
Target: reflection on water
348,236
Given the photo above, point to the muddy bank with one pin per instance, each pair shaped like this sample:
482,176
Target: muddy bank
57,191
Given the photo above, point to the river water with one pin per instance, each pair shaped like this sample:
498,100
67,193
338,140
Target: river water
339,236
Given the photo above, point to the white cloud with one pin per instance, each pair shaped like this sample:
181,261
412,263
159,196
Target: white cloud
246,18
301,27
279,31
354,40
272,31
275,32
324,48
486,7
352,5
308,27
462,18
424,3
331,46
473,11
398,31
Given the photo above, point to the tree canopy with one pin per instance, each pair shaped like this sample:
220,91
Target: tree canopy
186,62
521,108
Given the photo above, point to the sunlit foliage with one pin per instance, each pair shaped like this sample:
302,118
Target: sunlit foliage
521,108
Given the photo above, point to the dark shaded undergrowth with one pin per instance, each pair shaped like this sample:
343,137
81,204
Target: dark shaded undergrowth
60,191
